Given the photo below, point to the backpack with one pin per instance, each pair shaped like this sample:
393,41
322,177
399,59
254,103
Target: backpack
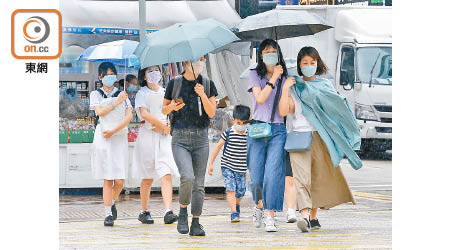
177,83
227,133
116,94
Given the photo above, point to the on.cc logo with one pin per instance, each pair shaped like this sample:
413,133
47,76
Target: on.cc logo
36,34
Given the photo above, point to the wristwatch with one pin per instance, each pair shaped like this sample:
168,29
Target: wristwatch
270,84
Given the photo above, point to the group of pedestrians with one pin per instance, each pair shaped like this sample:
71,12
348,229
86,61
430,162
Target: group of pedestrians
173,141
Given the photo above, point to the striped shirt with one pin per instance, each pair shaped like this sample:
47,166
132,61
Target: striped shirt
235,154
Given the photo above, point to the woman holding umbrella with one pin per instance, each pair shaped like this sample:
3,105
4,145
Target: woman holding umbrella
266,156
192,108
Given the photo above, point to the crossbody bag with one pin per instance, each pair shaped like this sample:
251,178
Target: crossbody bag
263,129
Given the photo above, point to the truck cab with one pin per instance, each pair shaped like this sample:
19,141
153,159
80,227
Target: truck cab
364,73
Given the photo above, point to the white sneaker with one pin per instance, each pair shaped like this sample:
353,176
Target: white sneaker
290,216
270,225
257,217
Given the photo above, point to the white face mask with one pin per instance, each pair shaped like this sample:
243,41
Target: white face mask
198,66
154,77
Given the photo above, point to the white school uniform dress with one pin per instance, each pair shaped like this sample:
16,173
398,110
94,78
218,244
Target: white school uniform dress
152,156
109,157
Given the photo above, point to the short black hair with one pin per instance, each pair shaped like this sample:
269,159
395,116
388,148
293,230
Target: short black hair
103,68
130,77
241,112
312,52
261,66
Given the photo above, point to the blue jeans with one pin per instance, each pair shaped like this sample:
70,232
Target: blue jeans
234,181
266,164
190,149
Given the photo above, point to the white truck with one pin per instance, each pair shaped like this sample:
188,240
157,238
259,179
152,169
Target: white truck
358,53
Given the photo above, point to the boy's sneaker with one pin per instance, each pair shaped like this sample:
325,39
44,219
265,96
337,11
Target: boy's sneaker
146,218
235,217
109,221
238,209
183,226
270,225
196,229
170,217
114,211
257,217
304,225
290,216
315,224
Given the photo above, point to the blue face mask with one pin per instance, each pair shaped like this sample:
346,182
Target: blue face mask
309,71
109,80
241,127
131,88
270,59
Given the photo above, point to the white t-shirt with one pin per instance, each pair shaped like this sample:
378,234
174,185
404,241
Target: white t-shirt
297,122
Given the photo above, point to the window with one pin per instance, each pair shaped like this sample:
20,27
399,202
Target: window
347,75
68,62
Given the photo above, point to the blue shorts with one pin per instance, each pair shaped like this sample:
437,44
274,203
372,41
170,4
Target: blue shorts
234,181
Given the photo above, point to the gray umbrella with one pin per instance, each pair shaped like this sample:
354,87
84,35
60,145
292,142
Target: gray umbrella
279,24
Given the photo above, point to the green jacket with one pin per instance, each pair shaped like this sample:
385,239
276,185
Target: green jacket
333,118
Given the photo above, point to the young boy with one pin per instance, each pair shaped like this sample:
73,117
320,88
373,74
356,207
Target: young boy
234,159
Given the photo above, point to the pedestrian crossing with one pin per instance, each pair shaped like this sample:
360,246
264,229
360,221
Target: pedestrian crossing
221,234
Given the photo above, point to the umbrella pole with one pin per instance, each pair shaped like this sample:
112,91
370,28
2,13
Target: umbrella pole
199,101
279,48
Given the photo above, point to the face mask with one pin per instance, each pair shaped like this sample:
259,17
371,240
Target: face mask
131,88
309,71
154,77
241,127
109,80
198,66
270,59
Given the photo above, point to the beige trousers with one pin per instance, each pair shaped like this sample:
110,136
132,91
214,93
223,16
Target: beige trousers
318,183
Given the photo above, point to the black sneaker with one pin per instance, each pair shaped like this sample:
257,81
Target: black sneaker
146,218
315,224
109,221
170,218
304,225
196,229
114,211
183,226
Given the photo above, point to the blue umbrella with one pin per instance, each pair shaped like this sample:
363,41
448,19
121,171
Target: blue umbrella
118,52
183,42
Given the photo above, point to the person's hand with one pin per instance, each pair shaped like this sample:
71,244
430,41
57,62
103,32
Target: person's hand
175,106
122,97
166,131
199,90
107,134
289,82
277,71
210,169
157,130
